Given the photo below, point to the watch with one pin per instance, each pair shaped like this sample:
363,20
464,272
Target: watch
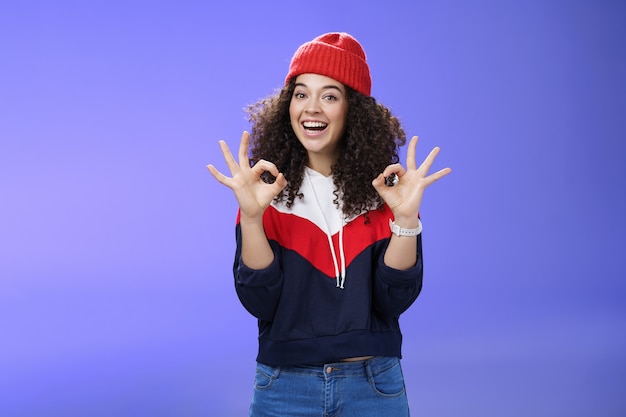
398,231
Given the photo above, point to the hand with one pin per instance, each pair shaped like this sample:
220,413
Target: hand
405,197
253,195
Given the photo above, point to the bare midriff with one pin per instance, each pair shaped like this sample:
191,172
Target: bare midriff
356,359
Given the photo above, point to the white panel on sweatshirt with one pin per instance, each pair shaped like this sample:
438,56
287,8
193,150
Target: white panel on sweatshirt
307,207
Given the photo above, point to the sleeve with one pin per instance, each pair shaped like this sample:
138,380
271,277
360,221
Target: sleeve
394,290
258,289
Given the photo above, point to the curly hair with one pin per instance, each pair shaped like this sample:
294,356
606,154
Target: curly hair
370,142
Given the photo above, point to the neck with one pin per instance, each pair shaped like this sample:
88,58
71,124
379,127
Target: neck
321,165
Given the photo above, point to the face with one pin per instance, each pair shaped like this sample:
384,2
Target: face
318,111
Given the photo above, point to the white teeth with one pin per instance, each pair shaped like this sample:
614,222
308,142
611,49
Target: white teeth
314,125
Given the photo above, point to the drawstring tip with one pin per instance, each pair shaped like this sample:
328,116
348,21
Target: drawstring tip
340,281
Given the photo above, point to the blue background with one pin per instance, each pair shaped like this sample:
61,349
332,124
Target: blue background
116,244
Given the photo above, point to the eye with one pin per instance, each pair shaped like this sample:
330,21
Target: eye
330,97
299,95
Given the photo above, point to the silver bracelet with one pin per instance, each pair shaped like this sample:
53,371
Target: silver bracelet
398,231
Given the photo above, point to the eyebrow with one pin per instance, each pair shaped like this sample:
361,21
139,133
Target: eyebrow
326,87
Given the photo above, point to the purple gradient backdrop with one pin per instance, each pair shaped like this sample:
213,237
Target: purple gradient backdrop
116,244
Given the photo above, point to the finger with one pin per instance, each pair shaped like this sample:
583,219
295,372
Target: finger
276,187
410,154
280,183
244,144
381,188
221,178
228,157
393,169
263,165
425,166
437,175
378,181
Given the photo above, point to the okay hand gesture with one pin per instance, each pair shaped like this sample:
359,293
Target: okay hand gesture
252,193
405,197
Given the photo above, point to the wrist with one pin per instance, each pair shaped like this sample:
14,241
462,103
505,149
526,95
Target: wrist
410,222
250,220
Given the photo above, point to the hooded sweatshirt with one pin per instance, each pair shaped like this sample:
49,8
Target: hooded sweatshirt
328,294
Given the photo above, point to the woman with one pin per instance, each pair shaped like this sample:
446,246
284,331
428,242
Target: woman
328,238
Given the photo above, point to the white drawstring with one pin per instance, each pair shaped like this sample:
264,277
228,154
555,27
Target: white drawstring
341,276
343,258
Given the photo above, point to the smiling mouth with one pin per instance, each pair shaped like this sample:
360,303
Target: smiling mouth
314,126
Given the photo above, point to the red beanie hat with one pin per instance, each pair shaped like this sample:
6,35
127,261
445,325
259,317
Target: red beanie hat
335,55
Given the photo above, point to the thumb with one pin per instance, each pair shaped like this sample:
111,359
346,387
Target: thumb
378,181
379,185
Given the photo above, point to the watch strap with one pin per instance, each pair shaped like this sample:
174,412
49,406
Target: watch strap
399,231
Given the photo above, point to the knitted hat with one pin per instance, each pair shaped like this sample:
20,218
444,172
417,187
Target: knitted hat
336,55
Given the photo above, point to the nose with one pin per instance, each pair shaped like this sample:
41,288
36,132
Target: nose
312,106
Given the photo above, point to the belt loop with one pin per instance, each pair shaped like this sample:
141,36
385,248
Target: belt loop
368,371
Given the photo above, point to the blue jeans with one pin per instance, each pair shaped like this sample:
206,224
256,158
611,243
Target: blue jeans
370,388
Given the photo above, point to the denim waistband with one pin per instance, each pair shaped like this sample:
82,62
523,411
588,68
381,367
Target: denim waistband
365,367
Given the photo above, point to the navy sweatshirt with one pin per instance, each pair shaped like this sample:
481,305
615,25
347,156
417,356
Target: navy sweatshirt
304,316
